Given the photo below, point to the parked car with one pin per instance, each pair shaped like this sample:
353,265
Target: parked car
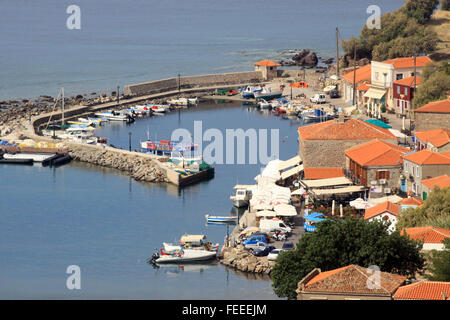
255,239
255,246
318,98
287,246
273,255
262,234
263,252
334,94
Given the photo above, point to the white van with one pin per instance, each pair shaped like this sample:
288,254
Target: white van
267,225
318,98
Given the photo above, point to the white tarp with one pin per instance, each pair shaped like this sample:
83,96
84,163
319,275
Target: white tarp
329,182
359,203
320,192
289,163
266,213
291,172
392,198
285,210
397,133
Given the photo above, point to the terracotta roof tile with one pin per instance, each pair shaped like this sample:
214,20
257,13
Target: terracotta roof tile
427,157
411,201
353,279
352,129
363,87
376,153
266,63
408,62
441,106
322,173
363,73
408,81
440,181
424,290
437,137
383,207
428,234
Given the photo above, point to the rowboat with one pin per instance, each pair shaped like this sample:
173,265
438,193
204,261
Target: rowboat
220,218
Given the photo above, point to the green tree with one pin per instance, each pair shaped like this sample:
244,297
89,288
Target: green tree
434,212
421,10
340,243
440,264
435,82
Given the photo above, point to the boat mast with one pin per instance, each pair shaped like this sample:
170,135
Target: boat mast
62,116
337,53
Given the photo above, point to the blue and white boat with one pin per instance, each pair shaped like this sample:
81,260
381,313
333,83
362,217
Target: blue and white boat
220,218
249,92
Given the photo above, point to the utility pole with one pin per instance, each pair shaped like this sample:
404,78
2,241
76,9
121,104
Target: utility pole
62,106
179,85
354,75
337,54
412,100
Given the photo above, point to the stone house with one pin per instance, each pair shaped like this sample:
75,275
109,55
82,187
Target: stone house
385,211
433,115
437,140
420,166
375,164
267,68
428,185
347,283
323,144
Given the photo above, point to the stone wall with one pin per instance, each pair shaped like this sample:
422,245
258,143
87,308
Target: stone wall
242,260
430,121
188,82
327,153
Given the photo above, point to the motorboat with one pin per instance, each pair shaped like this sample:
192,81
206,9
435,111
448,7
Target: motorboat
267,94
249,92
183,102
113,115
242,196
183,255
35,156
221,218
263,104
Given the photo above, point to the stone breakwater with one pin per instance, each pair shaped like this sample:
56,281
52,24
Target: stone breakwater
242,260
138,167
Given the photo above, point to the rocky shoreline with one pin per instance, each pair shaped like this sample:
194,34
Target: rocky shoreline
242,260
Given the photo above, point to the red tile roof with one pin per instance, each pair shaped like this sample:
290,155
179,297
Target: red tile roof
266,63
383,207
322,173
424,290
427,157
437,137
376,153
352,129
427,234
363,73
363,87
408,62
353,279
408,81
441,106
440,181
411,201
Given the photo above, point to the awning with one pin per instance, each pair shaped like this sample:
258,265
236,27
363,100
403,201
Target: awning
329,182
298,192
397,133
265,213
392,198
379,123
313,215
291,172
375,93
192,238
244,186
351,189
289,163
285,210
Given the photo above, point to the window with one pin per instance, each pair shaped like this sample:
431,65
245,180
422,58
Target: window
399,76
398,89
382,175
406,167
417,171
377,75
406,91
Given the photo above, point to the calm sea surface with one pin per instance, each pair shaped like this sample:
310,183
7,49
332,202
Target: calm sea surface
100,219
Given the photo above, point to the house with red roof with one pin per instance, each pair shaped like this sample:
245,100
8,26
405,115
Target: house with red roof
440,182
410,202
432,237
419,166
385,211
403,93
361,77
376,164
437,140
323,144
424,290
433,115
352,282
267,68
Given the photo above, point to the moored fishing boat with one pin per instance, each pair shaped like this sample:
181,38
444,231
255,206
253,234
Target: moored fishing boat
267,94
183,255
221,218
249,92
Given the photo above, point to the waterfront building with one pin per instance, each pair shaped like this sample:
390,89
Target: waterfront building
376,164
267,68
420,166
432,237
428,185
347,283
433,115
437,140
424,290
322,145
403,93
385,211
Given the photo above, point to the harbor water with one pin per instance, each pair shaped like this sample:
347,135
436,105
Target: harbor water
100,219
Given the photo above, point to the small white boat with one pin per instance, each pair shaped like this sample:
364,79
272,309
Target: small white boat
267,93
183,255
184,102
37,157
263,104
242,196
113,115
249,92
220,218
